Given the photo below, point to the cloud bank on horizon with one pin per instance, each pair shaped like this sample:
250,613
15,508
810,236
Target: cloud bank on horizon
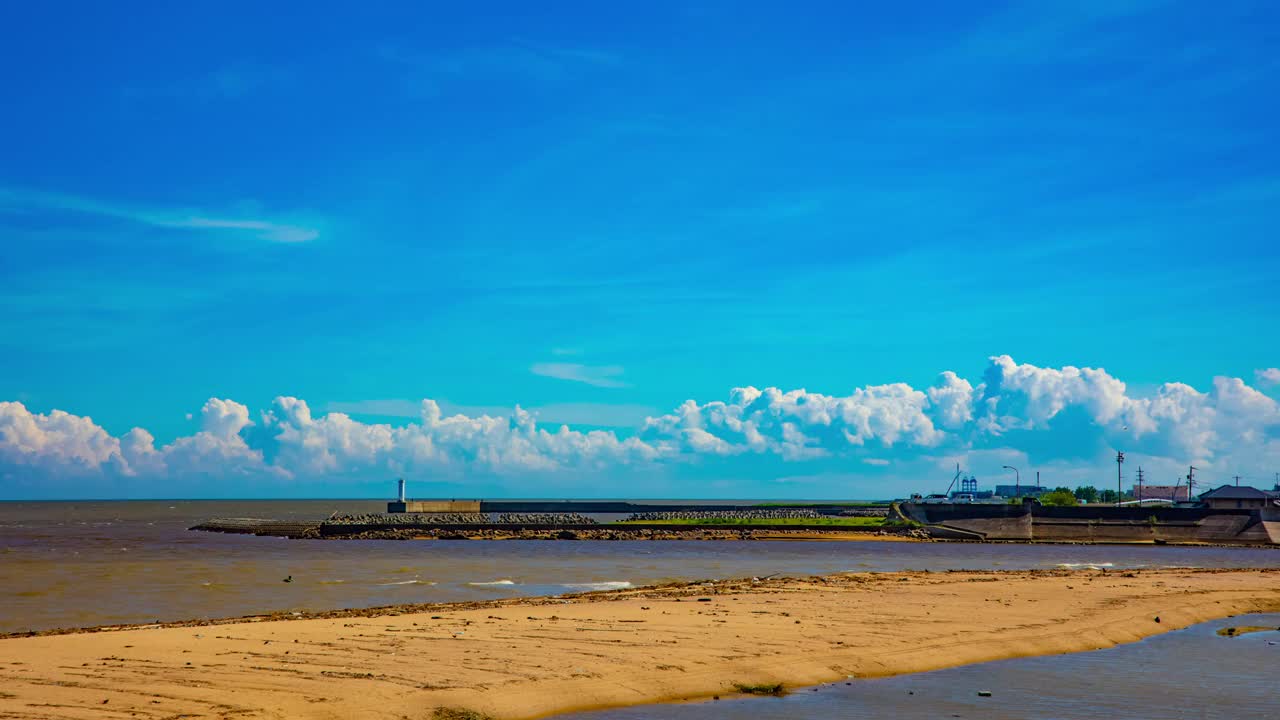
1069,419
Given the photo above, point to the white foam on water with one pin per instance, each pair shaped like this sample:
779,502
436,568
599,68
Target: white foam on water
493,582
406,582
607,585
1085,566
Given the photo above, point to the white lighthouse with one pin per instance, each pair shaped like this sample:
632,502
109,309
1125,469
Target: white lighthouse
400,494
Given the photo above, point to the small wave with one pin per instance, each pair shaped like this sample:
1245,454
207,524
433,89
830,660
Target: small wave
1085,565
607,585
407,582
493,582
332,582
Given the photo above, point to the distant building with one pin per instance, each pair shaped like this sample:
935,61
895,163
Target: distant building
1174,493
976,494
1233,497
1020,490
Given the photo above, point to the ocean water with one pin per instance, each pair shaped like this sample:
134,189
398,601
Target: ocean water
1190,674
78,564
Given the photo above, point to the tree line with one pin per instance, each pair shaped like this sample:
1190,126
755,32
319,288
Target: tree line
1084,493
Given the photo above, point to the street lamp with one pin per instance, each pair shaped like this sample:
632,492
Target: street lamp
1017,480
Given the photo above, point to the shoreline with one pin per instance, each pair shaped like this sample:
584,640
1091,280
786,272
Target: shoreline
524,658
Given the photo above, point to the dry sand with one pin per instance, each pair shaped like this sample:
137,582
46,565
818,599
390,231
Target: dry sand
530,658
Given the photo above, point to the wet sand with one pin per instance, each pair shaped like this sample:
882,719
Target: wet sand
526,658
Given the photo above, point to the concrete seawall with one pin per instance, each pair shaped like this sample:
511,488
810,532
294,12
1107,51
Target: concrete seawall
1031,522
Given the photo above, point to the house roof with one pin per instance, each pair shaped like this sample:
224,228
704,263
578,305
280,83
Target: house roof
1234,492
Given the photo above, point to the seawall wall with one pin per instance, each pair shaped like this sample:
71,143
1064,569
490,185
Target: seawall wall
1031,522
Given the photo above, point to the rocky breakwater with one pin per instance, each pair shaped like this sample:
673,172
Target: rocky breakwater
432,519
396,519
621,532
544,519
402,526
261,526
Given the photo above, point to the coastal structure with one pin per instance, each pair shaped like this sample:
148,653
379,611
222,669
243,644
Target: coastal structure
1216,520
1227,515
404,505
434,506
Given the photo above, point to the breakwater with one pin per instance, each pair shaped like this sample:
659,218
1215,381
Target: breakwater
535,526
433,519
562,520
629,531
261,526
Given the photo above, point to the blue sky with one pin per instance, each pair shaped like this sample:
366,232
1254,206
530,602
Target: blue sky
598,213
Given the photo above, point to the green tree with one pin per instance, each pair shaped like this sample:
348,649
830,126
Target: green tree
1059,496
1107,496
1087,493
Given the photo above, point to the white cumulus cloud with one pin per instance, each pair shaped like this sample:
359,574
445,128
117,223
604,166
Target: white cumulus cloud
58,440
1066,418
1268,377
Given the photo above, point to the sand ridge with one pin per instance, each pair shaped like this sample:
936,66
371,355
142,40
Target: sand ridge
527,658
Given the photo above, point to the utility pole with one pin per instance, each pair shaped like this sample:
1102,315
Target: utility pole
1237,481
1119,462
1140,496
1191,481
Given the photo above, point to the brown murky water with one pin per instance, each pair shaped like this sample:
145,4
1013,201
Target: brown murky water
65,564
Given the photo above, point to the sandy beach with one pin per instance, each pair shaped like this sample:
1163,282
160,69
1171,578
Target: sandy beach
529,658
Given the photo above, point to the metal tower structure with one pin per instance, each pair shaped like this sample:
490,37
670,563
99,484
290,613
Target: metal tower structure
1119,477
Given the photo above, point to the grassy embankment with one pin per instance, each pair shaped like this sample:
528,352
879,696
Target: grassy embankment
858,522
